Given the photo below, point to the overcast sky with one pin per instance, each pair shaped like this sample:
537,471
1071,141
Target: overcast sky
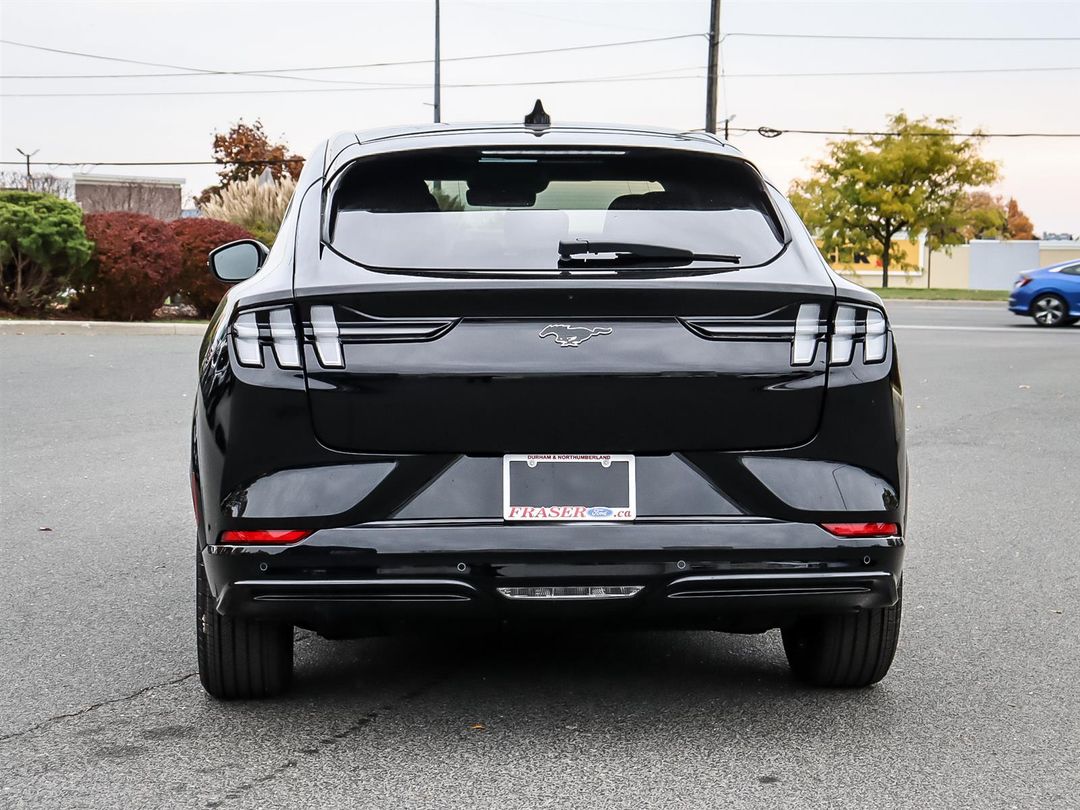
1043,174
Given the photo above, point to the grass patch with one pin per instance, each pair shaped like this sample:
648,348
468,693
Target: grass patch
942,295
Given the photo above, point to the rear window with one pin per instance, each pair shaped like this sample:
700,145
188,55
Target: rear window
503,209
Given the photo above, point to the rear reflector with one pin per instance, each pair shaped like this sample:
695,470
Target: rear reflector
274,536
861,529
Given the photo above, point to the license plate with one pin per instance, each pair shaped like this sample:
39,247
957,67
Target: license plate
569,487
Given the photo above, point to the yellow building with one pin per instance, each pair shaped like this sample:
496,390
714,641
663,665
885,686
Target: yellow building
951,269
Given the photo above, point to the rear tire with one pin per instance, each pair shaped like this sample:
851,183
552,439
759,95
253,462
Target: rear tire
848,651
239,659
1050,311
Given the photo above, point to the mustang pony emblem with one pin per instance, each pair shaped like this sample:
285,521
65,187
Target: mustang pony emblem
573,336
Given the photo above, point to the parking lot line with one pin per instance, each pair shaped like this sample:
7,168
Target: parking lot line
1016,330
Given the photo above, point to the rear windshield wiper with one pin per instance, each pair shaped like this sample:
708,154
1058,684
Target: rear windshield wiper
615,254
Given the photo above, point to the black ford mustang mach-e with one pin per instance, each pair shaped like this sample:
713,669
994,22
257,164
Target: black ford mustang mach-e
534,373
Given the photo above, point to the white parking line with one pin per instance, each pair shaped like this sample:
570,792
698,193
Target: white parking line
1013,329
959,308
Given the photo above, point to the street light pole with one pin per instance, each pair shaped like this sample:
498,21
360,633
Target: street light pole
28,155
438,82
714,62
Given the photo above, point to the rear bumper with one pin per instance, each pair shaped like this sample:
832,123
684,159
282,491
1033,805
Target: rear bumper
746,575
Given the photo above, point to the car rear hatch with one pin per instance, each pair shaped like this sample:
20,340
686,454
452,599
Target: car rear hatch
544,370
545,299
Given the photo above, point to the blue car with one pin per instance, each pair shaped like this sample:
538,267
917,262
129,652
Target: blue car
1050,295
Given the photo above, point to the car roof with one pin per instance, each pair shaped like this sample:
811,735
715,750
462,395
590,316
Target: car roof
1061,265
426,136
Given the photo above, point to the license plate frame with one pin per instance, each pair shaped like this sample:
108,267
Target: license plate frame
570,512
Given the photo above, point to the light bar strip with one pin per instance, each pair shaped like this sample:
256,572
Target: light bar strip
807,328
327,340
246,338
283,333
877,338
843,340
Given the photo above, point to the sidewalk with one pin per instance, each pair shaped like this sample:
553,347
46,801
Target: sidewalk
14,327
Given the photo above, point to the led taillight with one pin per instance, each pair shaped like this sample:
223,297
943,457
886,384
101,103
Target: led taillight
861,529
853,324
807,332
327,337
283,335
252,330
1023,281
843,339
246,337
877,338
265,536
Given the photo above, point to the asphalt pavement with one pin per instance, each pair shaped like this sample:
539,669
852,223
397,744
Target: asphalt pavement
100,707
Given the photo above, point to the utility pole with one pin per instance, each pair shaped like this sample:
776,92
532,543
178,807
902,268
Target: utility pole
438,82
29,177
714,63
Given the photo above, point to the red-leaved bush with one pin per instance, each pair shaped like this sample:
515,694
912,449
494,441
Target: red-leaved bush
197,237
133,267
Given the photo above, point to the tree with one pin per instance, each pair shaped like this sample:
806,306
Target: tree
196,237
257,204
134,266
42,243
1018,225
913,179
244,152
61,187
983,216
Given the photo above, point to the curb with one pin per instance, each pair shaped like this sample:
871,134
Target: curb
99,328
945,301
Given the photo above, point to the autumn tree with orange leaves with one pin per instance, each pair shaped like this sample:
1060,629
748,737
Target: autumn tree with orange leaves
1018,226
244,152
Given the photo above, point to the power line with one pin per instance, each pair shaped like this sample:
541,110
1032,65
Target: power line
545,82
152,162
900,37
186,71
773,132
465,85
183,71
930,72
189,71
767,132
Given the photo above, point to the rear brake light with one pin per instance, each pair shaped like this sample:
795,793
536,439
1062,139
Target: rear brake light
843,339
861,529
330,335
852,324
327,337
246,337
252,330
1023,281
877,337
807,332
268,536
283,335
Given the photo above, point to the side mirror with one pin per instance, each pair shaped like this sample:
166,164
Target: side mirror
237,260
